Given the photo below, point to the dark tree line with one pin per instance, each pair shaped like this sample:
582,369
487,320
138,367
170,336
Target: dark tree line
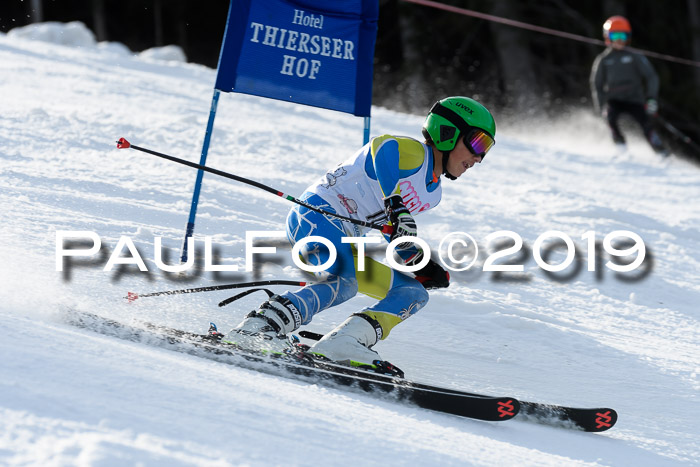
424,53
527,71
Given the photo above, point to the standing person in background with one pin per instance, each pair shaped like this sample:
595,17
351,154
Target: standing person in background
623,81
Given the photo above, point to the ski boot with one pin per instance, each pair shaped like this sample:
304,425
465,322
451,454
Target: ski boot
266,328
351,344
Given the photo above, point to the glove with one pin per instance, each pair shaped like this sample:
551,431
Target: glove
432,275
401,218
651,107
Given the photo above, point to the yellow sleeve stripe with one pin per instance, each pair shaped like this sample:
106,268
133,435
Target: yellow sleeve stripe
400,158
411,154
378,142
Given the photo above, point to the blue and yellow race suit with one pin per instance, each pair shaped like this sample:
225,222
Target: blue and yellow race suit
387,165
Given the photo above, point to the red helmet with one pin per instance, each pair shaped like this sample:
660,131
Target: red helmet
615,24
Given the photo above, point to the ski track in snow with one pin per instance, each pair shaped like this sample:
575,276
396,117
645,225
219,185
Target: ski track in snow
71,397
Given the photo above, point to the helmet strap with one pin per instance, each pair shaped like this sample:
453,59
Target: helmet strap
445,158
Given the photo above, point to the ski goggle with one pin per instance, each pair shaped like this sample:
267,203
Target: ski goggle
479,142
618,36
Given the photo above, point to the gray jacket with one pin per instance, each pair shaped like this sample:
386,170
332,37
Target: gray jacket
622,75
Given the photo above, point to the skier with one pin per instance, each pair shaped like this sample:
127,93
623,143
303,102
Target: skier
623,81
389,180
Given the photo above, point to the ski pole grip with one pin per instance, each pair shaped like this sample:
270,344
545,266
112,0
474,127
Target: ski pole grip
388,229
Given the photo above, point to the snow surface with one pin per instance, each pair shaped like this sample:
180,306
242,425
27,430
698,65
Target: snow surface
71,397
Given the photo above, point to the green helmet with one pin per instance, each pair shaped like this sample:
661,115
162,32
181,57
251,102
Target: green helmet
451,117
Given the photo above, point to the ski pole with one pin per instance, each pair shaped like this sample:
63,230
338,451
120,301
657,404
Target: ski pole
131,296
124,144
678,134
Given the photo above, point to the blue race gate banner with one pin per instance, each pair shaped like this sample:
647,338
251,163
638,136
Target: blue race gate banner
313,52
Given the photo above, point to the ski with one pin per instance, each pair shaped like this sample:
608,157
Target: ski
593,420
457,402
304,367
586,419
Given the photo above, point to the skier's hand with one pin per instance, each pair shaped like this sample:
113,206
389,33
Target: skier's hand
651,107
433,276
401,218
